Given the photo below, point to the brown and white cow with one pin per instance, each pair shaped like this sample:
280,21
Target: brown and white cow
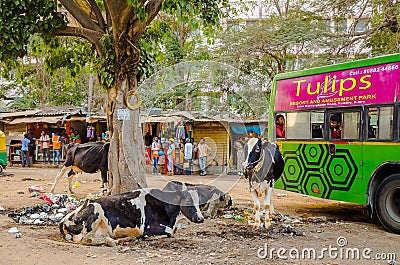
211,199
264,165
140,213
88,157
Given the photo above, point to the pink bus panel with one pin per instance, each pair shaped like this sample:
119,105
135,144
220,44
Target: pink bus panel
367,85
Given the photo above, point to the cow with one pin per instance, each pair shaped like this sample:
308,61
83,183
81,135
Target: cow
264,165
211,199
139,213
88,157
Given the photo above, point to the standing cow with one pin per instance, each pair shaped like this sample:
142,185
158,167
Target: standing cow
264,165
139,213
88,157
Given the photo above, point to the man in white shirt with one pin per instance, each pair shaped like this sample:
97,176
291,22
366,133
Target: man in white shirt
45,145
188,152
203,150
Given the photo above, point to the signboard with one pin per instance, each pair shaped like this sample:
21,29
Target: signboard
123,114
376,84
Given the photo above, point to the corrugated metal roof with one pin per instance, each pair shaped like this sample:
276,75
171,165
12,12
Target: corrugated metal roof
50,119
19,113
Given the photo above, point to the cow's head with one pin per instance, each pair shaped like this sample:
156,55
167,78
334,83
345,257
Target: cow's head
78,223
226,200
253,150
223,201
189,205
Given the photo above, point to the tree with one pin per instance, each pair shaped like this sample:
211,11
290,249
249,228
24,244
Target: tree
302,34
114,29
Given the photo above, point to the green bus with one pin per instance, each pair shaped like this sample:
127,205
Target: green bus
341,140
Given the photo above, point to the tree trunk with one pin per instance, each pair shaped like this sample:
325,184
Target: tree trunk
126,155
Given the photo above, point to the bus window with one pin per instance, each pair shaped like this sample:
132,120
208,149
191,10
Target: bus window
317,124
351,125
372,123
280,126
380,123
385,123
335,122
296,124
345,125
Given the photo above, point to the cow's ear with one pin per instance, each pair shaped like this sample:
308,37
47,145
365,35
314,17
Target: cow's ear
265,144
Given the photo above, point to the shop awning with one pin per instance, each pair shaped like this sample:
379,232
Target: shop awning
46,119
96,119
161,119
18,113
76,118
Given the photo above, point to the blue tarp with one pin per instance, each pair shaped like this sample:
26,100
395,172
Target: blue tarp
243,129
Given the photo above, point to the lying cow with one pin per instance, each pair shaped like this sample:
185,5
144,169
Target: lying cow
210,197
89,158
140,213
263,166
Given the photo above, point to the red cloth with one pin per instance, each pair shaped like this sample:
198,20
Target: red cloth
280,131
336,134
165,161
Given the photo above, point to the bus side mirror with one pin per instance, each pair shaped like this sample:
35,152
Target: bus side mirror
332,149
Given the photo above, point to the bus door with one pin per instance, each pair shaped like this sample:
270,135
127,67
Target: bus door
379,145
345,162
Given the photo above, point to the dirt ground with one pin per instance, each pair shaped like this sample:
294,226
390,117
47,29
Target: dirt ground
306,231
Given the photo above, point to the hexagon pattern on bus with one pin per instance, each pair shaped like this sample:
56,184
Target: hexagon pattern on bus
311,170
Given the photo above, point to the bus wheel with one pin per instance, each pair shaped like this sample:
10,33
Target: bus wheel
387,203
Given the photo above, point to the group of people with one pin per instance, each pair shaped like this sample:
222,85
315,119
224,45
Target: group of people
57,140
188,150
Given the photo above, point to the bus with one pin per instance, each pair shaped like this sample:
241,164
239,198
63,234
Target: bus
341,133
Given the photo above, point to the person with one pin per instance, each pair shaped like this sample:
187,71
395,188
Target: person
147,139
171,156
317,132
240,155
77,137
371,129
57,142
280,126
203,150
335,123
32,139
155,148
188,153
25,150
45,145
71,135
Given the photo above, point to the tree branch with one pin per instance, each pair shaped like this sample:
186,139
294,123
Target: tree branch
116,8
98,13
80,15
92,36
152,8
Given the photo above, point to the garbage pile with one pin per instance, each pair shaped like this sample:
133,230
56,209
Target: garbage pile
51,212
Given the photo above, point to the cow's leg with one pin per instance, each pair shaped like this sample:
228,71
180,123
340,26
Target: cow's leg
58,177
104,177
257,214
71,175
267,205
272,209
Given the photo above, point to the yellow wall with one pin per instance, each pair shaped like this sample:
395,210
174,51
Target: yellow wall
217,138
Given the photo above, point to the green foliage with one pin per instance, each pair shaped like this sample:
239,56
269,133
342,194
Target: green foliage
19,20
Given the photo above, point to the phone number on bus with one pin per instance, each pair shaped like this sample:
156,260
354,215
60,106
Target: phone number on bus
376,69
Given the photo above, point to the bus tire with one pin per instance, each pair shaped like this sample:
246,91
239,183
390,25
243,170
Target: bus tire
387,203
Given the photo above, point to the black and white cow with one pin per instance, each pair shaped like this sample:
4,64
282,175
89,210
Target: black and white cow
211,199
88,157
140,213
264,165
